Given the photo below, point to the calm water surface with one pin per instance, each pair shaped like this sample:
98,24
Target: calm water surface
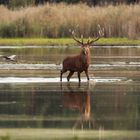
110,105
33,100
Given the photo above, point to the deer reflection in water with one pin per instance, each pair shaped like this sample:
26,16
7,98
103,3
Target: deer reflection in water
79,99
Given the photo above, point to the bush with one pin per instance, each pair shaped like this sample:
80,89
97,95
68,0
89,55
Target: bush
8,30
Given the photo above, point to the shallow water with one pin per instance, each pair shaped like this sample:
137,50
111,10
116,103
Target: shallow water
32,98
20,80
114,106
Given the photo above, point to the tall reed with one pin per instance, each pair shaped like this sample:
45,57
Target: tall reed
55,20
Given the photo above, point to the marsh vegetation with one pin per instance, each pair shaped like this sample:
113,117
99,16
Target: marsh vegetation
55,20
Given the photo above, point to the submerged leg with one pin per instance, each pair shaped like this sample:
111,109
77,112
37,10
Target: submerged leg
70,74
79,76
61,73
86,72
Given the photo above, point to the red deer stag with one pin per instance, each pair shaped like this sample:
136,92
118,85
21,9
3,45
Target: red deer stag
80,63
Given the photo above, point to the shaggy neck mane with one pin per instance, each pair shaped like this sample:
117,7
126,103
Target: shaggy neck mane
85,58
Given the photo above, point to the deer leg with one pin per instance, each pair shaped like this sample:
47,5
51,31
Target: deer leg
86,72
70,74
61,73
79,77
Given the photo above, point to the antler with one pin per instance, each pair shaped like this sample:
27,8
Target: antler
74,37
100,34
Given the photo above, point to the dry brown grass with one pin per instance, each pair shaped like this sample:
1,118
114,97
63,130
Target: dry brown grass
55,20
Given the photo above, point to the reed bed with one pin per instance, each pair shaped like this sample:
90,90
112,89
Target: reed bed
55,20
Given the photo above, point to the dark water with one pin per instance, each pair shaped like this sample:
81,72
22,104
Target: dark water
31,95
113,106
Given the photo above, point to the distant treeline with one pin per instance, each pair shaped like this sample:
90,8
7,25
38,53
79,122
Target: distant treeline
23,3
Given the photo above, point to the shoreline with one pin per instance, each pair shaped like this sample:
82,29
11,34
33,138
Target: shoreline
65,42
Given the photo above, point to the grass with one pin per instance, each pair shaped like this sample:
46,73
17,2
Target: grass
62,41
63,134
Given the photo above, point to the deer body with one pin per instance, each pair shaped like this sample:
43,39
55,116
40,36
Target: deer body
75,64
79,63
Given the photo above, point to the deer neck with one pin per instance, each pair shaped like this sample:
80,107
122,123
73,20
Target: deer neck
85,58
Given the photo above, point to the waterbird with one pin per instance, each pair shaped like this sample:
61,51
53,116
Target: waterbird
10,58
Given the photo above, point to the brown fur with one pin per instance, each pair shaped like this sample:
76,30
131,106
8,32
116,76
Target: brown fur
78,63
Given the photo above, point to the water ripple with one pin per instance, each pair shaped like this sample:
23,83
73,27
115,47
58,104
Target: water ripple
58,67
55,80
